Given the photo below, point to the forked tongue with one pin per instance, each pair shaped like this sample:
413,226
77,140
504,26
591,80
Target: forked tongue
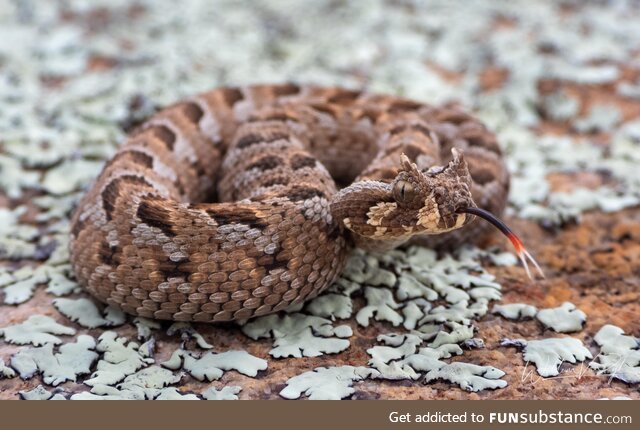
522,252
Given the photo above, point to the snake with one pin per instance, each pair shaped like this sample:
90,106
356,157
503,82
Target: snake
244,201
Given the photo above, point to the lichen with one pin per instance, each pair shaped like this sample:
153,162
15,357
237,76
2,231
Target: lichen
332,383
36,330
380,305
72,360
226,393
470,377
619,355
41,393
333,306
299,335
563,319
549,354
211,366
85,312
6,372
119,360
515,311
62,113
146,384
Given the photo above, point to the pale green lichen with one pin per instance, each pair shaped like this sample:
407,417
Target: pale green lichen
380,305
332,383
211,366
549,354
600,118
299,335
6,372
470,377
515,311
40,393
560,106
68,132
16,239
85,312
70,176
61,285
400,357
172,393
563,319
616,398
333,306
460,312
226,393
146,384
458,333
410,288
619,355
13,178
20,285
36,330
72,360
119,360
412,312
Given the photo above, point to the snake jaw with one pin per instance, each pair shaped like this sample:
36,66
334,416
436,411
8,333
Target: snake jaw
522,252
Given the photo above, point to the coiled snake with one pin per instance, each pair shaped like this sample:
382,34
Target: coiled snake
298,174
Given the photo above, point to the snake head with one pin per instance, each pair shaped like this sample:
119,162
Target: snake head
415,202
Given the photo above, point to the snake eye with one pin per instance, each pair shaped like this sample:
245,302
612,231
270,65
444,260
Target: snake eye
403,191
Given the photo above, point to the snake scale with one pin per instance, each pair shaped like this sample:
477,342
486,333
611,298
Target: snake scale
240,202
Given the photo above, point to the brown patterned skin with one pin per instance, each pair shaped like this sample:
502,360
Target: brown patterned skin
146,238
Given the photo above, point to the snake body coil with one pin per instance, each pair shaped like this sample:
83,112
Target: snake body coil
147,238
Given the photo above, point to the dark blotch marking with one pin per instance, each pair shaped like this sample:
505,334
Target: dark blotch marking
481,176
301,192
278,180
77,227
412,151
106,253
453,116
175,272
253,138
231,96
335,232
476,141
298,161
404,106
165,134
154,215
412,127
199,168
344,97
238,215
112,191
276,263
193,112
179,186
286,90
267,162
136,156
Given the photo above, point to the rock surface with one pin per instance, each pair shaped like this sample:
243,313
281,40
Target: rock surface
558,81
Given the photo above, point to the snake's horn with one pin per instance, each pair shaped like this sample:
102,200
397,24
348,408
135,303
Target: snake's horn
522,252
